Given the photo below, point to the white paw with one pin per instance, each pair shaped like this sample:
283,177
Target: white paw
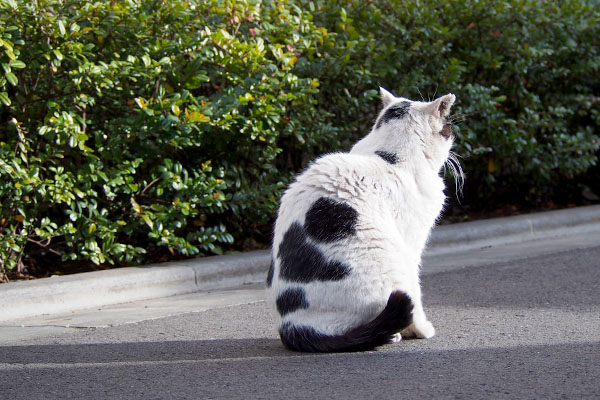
396,337
424,330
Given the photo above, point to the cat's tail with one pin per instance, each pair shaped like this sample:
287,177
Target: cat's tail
396,316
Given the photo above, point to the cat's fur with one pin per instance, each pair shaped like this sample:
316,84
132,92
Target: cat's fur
351,229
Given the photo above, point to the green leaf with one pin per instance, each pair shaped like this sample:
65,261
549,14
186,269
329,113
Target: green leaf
17,64
61,27
147,220
12,78
58,54
4,98
9,52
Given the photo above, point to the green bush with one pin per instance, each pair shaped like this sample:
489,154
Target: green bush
133,126
134,130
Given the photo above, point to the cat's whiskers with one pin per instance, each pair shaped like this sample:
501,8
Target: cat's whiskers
421,94
461,116
453,165
457,118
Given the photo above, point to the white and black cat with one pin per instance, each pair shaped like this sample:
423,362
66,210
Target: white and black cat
351,229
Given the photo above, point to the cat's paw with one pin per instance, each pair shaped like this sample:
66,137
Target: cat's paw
409,331
396,337
424,330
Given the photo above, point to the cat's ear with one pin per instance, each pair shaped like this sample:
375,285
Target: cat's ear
441,107
386,97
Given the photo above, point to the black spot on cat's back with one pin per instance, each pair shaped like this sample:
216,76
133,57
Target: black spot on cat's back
301,261
391,158
328,220
396,111
270,274
290,300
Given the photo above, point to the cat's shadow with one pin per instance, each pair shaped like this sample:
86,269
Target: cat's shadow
164,351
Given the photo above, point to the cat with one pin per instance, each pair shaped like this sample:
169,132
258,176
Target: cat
350,231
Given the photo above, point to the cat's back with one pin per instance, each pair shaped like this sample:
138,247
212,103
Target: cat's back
341,185
347,178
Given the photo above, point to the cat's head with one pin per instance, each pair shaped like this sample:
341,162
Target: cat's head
418,126
411,131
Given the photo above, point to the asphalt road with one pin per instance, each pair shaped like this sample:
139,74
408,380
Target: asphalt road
524,329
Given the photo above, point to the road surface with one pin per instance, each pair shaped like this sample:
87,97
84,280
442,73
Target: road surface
528,328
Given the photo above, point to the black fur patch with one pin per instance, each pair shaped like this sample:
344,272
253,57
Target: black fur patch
391,158
291,300
303,262
328,220
396,316
396,111
270,274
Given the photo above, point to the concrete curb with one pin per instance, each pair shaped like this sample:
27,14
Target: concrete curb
63,294
101,288
498,231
